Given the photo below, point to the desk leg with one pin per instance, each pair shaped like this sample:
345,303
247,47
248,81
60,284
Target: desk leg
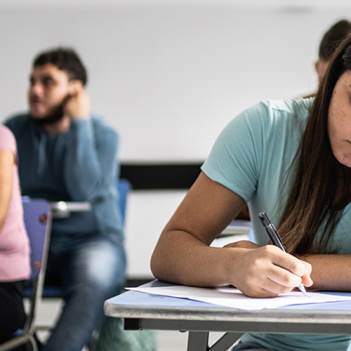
226,341
197,341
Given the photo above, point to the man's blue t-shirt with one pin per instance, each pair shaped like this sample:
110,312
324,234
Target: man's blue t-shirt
77,165
254,157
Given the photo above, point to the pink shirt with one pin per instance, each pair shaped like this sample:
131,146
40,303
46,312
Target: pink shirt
14,242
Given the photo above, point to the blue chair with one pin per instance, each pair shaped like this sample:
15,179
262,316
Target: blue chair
123,188
37,221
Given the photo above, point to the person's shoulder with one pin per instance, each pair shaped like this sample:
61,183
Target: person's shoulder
263,112
294,106
5,132
271,115
100,125
7,139
18,121
282,112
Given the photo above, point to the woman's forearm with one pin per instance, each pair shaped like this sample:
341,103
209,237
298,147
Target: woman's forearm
330,272
257,271
183,255
181,258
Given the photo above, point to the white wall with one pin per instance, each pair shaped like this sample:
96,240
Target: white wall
168,77
147,214
168,74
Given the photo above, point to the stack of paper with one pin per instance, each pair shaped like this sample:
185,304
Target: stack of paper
234,298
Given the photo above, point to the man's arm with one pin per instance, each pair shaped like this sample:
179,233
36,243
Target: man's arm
91,159
183,254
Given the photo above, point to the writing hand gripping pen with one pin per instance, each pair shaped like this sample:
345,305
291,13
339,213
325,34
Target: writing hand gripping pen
276,240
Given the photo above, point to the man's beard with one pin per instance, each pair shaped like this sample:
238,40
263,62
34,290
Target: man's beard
53,117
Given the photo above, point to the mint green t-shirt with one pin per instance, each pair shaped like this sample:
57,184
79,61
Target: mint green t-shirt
253,157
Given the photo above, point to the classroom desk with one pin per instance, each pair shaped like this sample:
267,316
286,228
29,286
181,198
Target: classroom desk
145,311
63,209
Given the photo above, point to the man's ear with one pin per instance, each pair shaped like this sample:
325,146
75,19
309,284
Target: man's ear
75,87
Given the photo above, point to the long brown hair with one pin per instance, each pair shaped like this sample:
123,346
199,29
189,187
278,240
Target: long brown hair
316,198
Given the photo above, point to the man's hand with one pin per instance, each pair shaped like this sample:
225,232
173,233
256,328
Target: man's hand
78,105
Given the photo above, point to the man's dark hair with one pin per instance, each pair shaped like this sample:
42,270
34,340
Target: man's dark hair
65,59
332,38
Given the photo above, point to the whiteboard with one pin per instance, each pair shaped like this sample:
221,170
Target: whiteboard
169,78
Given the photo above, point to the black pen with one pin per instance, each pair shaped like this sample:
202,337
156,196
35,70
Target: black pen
276,240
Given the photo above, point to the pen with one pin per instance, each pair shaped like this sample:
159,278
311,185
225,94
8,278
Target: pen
274,236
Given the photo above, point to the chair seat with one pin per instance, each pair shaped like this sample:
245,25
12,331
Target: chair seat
50,291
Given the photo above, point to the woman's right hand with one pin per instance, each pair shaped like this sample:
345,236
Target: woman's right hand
266,271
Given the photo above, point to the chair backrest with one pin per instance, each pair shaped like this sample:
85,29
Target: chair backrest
37,219
123,187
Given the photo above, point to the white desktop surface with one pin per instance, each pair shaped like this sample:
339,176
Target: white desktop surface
145,311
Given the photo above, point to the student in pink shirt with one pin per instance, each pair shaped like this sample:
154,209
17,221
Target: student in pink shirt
14,243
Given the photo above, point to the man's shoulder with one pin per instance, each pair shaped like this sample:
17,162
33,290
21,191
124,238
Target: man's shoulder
99,124
17,122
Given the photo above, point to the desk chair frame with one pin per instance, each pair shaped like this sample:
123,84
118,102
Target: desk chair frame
37,219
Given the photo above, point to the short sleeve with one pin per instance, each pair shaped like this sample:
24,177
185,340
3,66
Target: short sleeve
236,157
7,139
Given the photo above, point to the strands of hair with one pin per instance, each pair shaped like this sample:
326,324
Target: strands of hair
322,185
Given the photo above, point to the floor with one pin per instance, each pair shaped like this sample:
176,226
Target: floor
166,340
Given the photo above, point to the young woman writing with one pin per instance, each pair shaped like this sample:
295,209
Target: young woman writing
291,159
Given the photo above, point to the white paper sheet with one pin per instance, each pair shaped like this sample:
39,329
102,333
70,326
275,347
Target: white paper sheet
231,297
